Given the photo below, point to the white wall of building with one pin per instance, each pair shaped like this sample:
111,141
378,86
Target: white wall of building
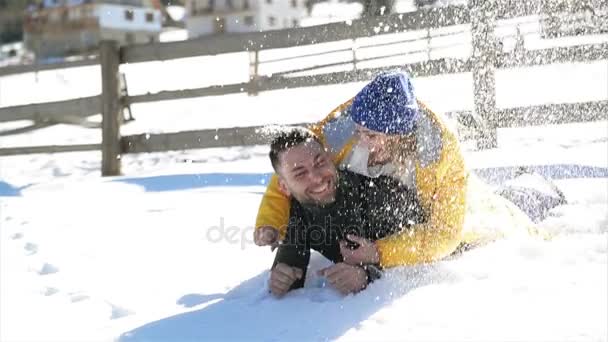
262,15
114,17
199,26
283,12
239,23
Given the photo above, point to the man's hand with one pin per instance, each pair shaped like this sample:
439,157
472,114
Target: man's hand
282,277
266,236
366,253
345,278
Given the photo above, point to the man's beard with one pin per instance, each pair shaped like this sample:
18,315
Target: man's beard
312,202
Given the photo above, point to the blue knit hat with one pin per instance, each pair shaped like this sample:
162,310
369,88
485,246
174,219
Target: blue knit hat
387,104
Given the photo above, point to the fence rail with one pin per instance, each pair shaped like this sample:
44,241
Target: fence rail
52,111
22,69
88,106
552,114
229,43
250,136
567,54
13,151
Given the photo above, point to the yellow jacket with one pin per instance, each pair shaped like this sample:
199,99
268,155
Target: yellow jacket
440,180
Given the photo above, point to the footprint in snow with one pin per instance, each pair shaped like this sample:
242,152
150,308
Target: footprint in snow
78,297
47,269
30,248
49,291
119,312
17,236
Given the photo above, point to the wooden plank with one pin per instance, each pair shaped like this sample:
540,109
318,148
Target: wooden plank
564,54
70,120
419,69
314,54
265,83
13,151
249,136
21,130
237,42
50,111
111,109
367,46
208,138
361,60
562,113
21,69
187,93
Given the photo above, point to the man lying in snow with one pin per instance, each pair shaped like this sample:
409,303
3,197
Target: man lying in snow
385,130
332,212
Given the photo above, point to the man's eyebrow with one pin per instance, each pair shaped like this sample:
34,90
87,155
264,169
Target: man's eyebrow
298,167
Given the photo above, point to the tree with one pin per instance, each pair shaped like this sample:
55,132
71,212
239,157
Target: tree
11,20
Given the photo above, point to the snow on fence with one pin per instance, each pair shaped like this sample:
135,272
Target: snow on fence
481,16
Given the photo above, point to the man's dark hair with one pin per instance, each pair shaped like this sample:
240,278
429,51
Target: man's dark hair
287,139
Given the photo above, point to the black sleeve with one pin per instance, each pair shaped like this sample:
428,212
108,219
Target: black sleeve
294,251
391,208
373,272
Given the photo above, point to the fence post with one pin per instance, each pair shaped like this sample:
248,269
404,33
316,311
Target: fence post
354,47
254,62
111,110
428,43
483,19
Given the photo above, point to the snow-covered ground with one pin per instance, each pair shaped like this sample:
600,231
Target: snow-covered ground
164,252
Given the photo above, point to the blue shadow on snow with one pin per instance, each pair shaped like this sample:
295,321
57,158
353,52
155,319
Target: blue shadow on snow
8,190
249,313
195,181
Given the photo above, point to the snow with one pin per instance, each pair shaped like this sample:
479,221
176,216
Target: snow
164,252
177,13
332,11
173,35
143,256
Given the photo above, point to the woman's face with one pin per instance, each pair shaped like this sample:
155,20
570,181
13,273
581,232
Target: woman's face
383,147
378,145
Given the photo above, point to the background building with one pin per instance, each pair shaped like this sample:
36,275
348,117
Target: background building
58,28
205,17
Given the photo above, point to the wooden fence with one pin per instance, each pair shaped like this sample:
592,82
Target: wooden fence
482,17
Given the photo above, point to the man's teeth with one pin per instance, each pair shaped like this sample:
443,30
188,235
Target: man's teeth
321,188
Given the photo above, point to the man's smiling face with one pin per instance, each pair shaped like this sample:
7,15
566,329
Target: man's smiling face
308,174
